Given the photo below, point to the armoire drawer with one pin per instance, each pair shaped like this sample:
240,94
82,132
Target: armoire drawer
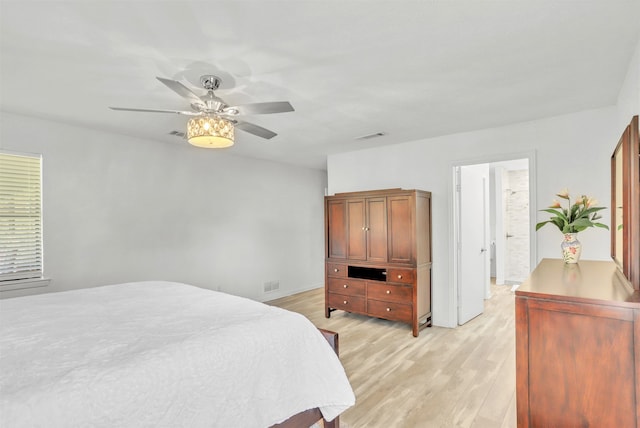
389,310
336,269
389,292
350,287
404,276
347,303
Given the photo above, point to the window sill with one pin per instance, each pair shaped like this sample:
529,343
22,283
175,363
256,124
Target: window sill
20,284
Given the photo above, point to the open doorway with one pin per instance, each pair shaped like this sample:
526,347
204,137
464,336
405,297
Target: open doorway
510,222
507,250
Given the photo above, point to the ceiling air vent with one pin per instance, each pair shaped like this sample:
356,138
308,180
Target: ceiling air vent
370,136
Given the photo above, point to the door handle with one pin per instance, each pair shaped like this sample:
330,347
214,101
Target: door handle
482,250
509,235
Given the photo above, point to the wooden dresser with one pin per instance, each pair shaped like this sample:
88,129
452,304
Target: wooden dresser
577,347
378,255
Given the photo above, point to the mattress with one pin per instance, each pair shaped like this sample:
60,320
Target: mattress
161,354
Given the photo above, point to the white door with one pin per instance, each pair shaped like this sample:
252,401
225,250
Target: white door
473,257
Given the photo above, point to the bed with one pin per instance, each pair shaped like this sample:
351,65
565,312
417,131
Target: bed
163,354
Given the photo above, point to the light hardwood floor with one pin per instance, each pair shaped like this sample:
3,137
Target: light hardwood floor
462,377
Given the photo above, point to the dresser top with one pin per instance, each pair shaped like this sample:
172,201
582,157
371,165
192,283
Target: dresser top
586,281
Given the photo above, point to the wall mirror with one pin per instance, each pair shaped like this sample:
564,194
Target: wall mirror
618,205
625,204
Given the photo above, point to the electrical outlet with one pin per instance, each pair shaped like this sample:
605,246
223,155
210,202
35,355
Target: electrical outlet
270,286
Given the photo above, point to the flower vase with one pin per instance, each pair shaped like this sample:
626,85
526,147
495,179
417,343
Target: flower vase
571,248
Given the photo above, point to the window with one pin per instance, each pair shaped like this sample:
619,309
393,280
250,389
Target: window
20,217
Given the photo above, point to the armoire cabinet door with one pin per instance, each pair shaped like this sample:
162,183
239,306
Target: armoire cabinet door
376,229
367,229
401,236
356,224
337,228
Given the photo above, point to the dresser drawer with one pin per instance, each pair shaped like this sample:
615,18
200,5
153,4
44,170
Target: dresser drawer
337,270
389,310
390,292
351,287
346,303
404,276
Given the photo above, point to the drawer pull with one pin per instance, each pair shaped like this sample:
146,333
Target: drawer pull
345,302
336,270
345,286
399,276
388,309
388,292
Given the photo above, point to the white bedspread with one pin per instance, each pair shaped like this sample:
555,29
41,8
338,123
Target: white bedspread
161,354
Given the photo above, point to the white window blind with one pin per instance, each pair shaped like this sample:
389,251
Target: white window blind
20,217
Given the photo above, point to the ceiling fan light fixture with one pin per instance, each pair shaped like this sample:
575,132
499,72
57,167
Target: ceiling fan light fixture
210,132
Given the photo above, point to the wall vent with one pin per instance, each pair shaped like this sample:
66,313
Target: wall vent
370,136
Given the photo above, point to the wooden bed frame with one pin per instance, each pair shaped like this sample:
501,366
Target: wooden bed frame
311,416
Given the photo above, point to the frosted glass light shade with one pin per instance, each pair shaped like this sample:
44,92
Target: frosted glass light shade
210,132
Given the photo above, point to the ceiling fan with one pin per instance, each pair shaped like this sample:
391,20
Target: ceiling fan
213,121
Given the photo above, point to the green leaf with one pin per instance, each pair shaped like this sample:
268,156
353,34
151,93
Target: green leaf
574,210
591,210
555,221
560,223
583,222
556,212
604,226
542,223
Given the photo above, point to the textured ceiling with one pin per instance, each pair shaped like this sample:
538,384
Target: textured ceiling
408,69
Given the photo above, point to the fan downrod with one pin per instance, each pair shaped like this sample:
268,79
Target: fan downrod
210,82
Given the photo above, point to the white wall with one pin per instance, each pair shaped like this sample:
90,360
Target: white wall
629,96
571,151
120,209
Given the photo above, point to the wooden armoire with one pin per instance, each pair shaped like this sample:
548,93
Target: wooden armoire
378,255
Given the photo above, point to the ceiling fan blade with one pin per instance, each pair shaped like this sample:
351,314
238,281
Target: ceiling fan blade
181,90
150,110
255,130
263,108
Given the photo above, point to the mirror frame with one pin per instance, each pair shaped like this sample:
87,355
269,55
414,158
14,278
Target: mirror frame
620,204
625,204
